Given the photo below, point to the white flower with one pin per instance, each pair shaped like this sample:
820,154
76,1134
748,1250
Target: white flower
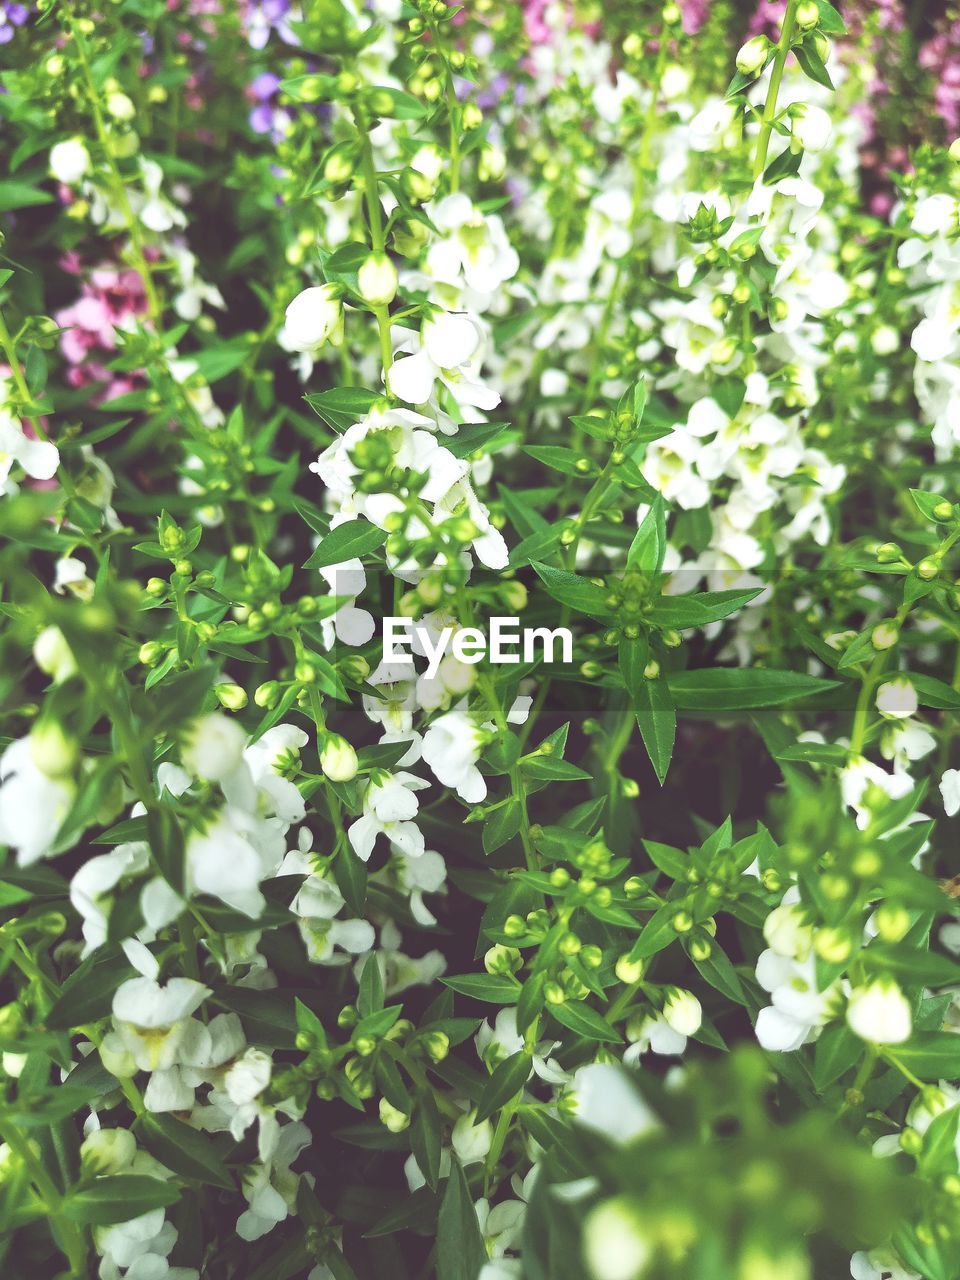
615,1245
445,351
897,699
389,805
69,161
711,124
214,747
950,791
38,458
811,126
151,1019
472,255
880,1264
316,904
862,782
33,805
451,747
798,1009
314,317
880,1013
655,1033
221,861
607,1102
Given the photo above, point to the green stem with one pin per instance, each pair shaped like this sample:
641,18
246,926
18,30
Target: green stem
68,1235
371,193
773,90
119,186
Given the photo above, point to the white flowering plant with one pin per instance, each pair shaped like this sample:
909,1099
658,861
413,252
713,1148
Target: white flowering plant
334,941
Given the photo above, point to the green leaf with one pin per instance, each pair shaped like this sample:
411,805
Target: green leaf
650,544
341,407
370,999
652,705
672,862
812,64
699,609
87,995
935,693
549,769
914,968
742,688
502,825
404,105
562,459
657,933
785,165
166,844
425,1138
585,1021
351,877
353,538
718,970
837,1050
830,23
184,1150
507,1080
575,591
461,1252
21,195
118,1199
493,988
931,1055
473,437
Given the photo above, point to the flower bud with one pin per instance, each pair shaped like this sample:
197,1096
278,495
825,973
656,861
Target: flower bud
436,1044
888,553
52,751
120,106
884,636
628,971
314,317
892,921
787,933
53,655
807,15
501,959
267,695
421,177
116,1058
682,1011
880,1013
107,1151
753,55
377,280
492,164
231,696
897,699
69,161
338,760
927,569
394,1119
